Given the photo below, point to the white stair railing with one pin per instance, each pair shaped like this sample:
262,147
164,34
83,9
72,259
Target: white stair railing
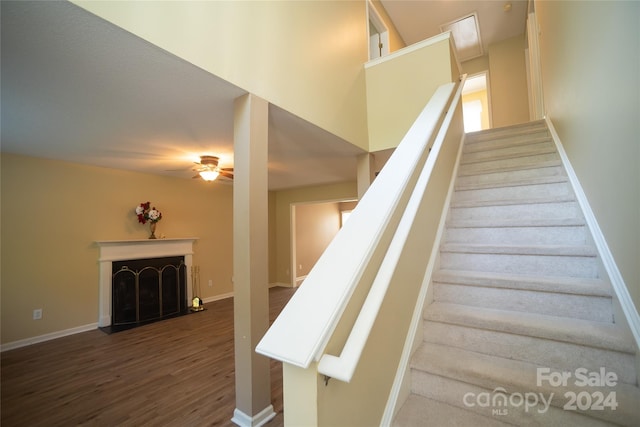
358,262
342,367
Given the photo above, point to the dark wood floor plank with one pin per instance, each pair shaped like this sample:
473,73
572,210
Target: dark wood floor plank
178,371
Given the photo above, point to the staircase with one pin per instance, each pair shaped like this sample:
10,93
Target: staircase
519,300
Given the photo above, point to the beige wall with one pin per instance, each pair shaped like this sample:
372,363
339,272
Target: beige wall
53,211
399,87
303,56
316,225
283,201
508,82
590,54
476,65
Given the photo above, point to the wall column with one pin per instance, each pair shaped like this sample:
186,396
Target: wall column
250,261
366,173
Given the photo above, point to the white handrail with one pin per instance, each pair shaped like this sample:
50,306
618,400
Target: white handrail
302,330
342,367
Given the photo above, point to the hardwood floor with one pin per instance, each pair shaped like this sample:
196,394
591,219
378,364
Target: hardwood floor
177,372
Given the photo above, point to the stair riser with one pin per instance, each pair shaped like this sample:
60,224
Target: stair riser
504,165
508,152
561,356
504,178
515,193
453,392
518,235
549,303
534,265
531,211
492,135
508,142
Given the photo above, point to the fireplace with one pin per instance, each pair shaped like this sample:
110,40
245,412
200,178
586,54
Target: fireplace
146,290
157,300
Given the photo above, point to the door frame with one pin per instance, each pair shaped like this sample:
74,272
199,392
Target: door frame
374,18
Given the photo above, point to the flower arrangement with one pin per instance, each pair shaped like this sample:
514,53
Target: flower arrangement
145,213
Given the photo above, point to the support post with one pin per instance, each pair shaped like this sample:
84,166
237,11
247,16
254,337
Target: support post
366,172
250,261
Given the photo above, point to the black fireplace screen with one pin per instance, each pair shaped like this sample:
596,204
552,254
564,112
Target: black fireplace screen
146,290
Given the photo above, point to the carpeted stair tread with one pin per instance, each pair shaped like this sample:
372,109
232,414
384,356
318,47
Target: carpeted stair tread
508,152
514,141
453,392
507,182
604,335
506,132
512,201
515,376
562,284
515,222
421,411
545,250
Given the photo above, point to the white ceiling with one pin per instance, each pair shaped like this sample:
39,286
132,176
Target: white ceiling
77,88
417,20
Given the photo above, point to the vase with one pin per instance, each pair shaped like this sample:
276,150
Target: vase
152,227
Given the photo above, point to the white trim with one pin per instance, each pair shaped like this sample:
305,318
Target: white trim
48,337
409,49
617,282
534,69
218,297
300,279
292,244
343,367
280,285
407,350
338,271
118,250
374,18
261,418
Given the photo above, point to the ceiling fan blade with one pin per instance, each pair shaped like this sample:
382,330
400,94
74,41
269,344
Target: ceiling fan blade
177,170
227,169
195,177
226,174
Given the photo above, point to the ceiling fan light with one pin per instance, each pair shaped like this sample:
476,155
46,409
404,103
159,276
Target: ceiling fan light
209,175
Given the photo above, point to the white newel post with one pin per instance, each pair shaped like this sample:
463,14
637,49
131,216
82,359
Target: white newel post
120,250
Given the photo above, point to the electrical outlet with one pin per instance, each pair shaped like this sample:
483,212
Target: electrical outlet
37,314
210,283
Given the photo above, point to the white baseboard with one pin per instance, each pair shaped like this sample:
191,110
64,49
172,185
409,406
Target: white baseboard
218,297
279,284
243,420
47,337
617,282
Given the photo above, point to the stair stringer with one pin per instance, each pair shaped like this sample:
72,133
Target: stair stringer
401,387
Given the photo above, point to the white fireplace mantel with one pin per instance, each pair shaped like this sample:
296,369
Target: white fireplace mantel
119,250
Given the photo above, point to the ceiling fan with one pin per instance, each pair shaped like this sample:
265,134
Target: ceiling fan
209,170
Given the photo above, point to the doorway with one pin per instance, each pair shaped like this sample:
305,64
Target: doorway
476,103
313,226
378,34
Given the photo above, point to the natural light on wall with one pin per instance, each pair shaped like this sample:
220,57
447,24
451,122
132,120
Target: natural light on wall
344,216
475,103
472,112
